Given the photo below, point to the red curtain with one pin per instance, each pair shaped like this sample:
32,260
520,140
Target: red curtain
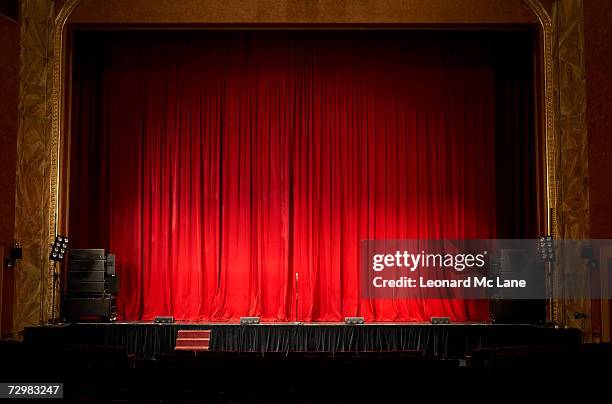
218,165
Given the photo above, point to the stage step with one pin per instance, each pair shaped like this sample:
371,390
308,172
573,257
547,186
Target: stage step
191,348
192,340
193,334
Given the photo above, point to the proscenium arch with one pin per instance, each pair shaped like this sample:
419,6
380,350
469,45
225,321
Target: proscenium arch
60,136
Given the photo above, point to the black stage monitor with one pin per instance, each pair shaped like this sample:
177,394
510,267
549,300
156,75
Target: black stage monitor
164,320
249,320
354,320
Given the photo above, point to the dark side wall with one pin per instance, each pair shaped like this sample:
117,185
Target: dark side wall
598,60
9,90
9,87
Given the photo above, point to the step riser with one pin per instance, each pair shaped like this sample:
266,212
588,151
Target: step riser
191,348
194,334
195,342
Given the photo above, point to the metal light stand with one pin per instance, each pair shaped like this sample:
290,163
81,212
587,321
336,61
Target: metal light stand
55,276
57,252
548,254
550,315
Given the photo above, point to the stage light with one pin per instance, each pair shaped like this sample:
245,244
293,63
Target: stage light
440,320
354,320
59,248
249,320
547,248
15,253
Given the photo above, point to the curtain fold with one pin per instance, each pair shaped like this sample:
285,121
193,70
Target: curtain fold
235,173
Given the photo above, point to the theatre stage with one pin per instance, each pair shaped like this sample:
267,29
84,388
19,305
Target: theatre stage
446,341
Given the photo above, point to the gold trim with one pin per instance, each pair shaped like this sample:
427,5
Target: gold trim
549,120
550,136
57,111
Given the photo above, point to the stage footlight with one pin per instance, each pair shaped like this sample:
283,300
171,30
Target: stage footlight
354,320
440,320
164,320
59,248
249,320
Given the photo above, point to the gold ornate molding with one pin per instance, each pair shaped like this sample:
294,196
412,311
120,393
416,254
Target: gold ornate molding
33,164
551,143
57,130
566,137
549,113
572,151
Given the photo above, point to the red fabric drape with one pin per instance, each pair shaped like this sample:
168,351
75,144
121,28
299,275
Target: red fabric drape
217,165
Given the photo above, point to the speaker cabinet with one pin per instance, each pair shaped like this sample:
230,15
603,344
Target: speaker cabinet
86,265
87,288
87,254
110,264
112,284
86,276
85,308
518,311
92,286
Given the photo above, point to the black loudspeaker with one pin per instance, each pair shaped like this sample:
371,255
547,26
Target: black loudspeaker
86,265
87,254
518,311
110,264
112,284
92,285
16,253
89,307
86,276
87,288
164,319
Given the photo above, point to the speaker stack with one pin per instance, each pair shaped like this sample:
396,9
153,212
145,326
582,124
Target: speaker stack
515,311
92,286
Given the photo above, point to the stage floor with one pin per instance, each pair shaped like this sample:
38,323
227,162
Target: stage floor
457,340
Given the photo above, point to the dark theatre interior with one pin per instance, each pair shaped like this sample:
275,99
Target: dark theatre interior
225,201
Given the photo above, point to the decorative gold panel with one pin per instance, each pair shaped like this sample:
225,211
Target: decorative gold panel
33,192
572,205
